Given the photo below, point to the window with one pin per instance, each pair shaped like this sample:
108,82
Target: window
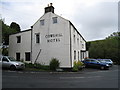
37,38
93,61
18,56
82,45
54,20
78,41
18,39
74,55
78,55
27,56
4,59
87,60
42,22
74,38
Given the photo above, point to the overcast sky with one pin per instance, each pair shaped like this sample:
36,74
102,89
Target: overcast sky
94,19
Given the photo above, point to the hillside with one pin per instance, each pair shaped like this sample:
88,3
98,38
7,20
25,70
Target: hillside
108,48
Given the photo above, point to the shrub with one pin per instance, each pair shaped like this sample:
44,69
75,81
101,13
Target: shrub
54,64
77,66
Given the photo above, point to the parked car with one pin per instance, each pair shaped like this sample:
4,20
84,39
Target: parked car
94,63
108,61
10,63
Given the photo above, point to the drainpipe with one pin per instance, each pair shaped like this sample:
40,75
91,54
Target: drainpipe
31,43
70,46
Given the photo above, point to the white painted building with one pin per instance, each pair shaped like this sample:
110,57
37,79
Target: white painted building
50,37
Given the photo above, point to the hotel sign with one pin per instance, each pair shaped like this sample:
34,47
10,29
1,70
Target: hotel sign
53,37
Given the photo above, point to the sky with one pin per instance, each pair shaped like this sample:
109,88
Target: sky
94,19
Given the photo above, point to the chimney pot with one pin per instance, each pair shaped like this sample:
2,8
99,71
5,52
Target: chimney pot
50,4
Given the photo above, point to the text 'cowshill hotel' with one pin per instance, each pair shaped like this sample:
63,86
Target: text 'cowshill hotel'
51,36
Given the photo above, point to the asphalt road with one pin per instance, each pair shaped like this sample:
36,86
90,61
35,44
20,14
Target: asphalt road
87,78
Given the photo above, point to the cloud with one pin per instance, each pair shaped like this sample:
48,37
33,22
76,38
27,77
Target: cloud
95,19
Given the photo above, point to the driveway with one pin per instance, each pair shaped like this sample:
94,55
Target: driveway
87,78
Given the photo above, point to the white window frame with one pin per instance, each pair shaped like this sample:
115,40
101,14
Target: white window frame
74,54
42,22
36,38
55,20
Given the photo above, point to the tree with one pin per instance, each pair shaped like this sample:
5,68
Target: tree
6,31
15,26
107,48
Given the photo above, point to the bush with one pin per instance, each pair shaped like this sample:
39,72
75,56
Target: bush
37,66
54,64
77,66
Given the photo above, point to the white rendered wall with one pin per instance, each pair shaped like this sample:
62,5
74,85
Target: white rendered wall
77,45
24,46
59,50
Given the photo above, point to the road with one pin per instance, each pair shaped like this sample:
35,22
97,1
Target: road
87,78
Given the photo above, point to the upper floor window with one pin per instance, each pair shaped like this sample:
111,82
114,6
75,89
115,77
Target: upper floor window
82,45
42,22
74,38
78,41
37,38
54,20
18,39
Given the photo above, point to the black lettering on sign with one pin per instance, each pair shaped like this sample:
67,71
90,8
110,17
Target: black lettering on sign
54,40
53,37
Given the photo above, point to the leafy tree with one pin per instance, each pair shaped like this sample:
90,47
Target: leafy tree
107,48
6,31
15,26
88,45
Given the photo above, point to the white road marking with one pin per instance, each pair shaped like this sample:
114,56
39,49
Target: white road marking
79,77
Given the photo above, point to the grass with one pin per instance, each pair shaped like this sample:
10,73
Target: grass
39,67
36,67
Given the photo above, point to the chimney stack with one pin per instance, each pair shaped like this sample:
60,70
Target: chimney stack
50,8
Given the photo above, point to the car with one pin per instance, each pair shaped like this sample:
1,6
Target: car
108,61
10,63
94,63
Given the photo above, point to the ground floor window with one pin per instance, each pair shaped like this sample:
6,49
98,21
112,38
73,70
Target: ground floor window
18,56
78,55
83,55
27,56
74,55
